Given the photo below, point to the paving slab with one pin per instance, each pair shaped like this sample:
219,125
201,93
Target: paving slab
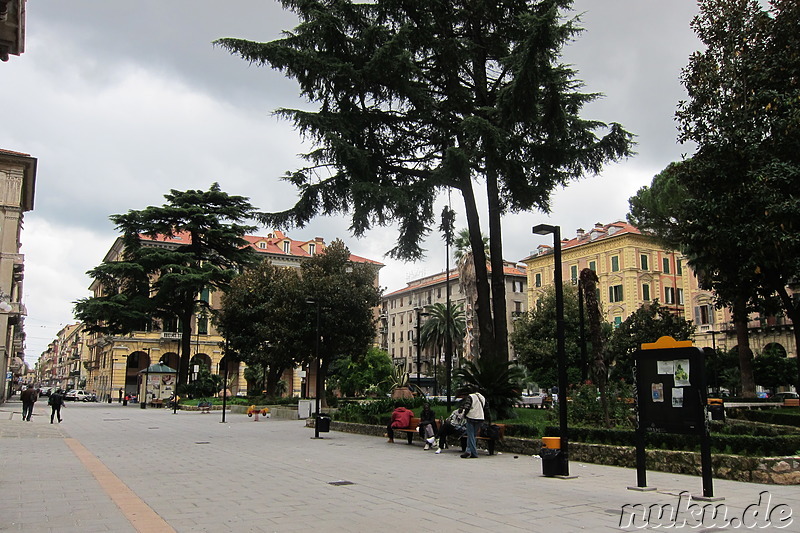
107,466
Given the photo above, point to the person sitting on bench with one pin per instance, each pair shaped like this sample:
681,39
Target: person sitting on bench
401,418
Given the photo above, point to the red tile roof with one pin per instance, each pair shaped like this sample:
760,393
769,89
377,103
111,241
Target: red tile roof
598,233
441,277
273,244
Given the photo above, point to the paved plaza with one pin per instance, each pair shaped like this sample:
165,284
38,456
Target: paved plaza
110,467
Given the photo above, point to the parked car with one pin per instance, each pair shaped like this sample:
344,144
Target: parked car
79,395
780,396
45,391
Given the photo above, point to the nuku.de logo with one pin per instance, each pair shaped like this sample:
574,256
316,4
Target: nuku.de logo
688,514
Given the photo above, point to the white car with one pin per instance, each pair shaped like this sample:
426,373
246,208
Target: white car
78,394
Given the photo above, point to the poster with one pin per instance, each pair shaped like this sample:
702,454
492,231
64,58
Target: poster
666,367
682,373
658,392
677,397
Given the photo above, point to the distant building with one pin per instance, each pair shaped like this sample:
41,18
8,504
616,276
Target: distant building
12,28
17,184
127,355
399,317
634,269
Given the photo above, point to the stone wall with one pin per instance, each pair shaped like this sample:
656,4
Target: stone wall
773,470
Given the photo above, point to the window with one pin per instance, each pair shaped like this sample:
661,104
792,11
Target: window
703,315
401,351
538,280
517,307
516,285
615,263
202,325
680,296
678,267
669,295
665,265
615,293
312,248
393,321
573,273
262,245
286,245
401,316
617,321
593,266
644,262
393,336
439,292
646,292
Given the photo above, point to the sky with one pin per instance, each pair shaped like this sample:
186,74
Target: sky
122,101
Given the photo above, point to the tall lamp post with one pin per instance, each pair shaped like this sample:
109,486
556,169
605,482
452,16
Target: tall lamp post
111,380
420,314
545,229
317,382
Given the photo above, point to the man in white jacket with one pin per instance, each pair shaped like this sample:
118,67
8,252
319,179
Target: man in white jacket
473,407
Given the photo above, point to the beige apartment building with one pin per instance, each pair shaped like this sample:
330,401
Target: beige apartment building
399,311
17,183
634,269
114,362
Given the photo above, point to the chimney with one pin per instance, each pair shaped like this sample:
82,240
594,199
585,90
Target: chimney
598,225
580,233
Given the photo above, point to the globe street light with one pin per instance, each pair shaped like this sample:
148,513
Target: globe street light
545,229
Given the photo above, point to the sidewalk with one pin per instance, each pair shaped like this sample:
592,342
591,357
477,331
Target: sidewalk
108,467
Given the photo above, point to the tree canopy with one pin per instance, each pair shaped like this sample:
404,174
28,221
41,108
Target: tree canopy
738,218
201,247
421,96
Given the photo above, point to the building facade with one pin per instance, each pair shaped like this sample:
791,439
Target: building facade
114,362
17,183
633,269
400,309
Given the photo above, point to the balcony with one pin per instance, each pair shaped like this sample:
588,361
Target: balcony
170,335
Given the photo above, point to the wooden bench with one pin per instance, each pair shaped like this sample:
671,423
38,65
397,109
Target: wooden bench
156,402
410,431
490,443
205,407
791,402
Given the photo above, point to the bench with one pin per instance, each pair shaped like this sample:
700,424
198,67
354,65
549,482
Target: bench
412,430
791,402
205,407
156,402
490,443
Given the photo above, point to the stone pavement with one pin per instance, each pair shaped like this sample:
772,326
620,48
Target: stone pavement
108,467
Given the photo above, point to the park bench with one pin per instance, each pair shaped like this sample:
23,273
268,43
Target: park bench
791,402
156,402
412,430
205,407
490,442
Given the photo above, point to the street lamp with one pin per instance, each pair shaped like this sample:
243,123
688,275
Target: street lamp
420,314
317,383
545,229
111,381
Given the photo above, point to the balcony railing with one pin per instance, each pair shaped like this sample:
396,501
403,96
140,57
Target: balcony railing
171,335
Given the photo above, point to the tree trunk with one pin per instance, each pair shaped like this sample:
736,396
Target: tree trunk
186,347
743,343
498,275
482,306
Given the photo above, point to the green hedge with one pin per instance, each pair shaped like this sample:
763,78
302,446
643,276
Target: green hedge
785,416
751,445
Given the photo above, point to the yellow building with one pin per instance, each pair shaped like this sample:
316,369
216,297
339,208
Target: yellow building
634,269
115,361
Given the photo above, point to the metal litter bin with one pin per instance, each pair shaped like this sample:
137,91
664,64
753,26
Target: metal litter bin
324,422
716,408
552,459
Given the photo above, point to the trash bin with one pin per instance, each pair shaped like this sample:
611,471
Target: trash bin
551,462
716,408
324,422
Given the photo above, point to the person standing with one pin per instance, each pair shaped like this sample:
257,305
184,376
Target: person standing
56,402
473,408
28,397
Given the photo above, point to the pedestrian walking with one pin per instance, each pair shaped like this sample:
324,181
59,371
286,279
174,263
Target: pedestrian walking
56,402
28,397
473,409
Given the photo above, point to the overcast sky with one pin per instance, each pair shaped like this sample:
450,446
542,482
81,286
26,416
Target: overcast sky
122,101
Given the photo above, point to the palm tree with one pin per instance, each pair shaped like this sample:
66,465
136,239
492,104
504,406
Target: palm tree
434,331
500,382
467,278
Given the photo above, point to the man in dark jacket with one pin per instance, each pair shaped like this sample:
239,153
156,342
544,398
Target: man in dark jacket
29,397
55,402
